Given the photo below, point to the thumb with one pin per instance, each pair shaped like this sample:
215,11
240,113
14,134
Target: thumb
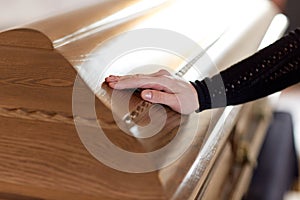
155,96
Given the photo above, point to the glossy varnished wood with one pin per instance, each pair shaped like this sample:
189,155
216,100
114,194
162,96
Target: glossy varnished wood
25,38
55,160
70,22
41,154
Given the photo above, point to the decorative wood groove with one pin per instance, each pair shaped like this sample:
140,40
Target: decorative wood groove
46,116
52,117
40,115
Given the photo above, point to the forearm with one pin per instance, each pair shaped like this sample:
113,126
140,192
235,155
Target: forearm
265,72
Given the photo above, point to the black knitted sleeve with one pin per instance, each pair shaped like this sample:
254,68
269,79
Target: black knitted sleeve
265,72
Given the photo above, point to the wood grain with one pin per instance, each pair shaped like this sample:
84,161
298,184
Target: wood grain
55,159
25,38
29,79
37,155
41,155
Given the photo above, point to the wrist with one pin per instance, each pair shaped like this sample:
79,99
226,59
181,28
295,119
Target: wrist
195,100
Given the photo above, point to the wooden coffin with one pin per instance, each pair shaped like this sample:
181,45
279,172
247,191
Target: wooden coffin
42,155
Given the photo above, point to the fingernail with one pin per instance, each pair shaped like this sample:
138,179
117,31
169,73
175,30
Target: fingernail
111,78
148,95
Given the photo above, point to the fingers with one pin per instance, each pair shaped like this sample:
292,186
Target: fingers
160,97
113,78
141,81
156,83
160,87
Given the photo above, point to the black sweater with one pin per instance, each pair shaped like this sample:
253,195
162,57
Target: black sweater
265,72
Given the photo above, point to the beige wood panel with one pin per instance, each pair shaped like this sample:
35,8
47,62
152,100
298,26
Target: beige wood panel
219,175
65,24
33,10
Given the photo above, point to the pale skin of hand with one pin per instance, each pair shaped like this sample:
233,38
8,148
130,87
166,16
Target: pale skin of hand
160,87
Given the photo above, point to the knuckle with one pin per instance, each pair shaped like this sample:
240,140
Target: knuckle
165,72
136,76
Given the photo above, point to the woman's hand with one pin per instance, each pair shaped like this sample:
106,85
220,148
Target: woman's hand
160,87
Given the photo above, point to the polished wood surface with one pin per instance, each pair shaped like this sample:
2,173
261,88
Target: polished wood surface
36,111
41,154
39,115
26,79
